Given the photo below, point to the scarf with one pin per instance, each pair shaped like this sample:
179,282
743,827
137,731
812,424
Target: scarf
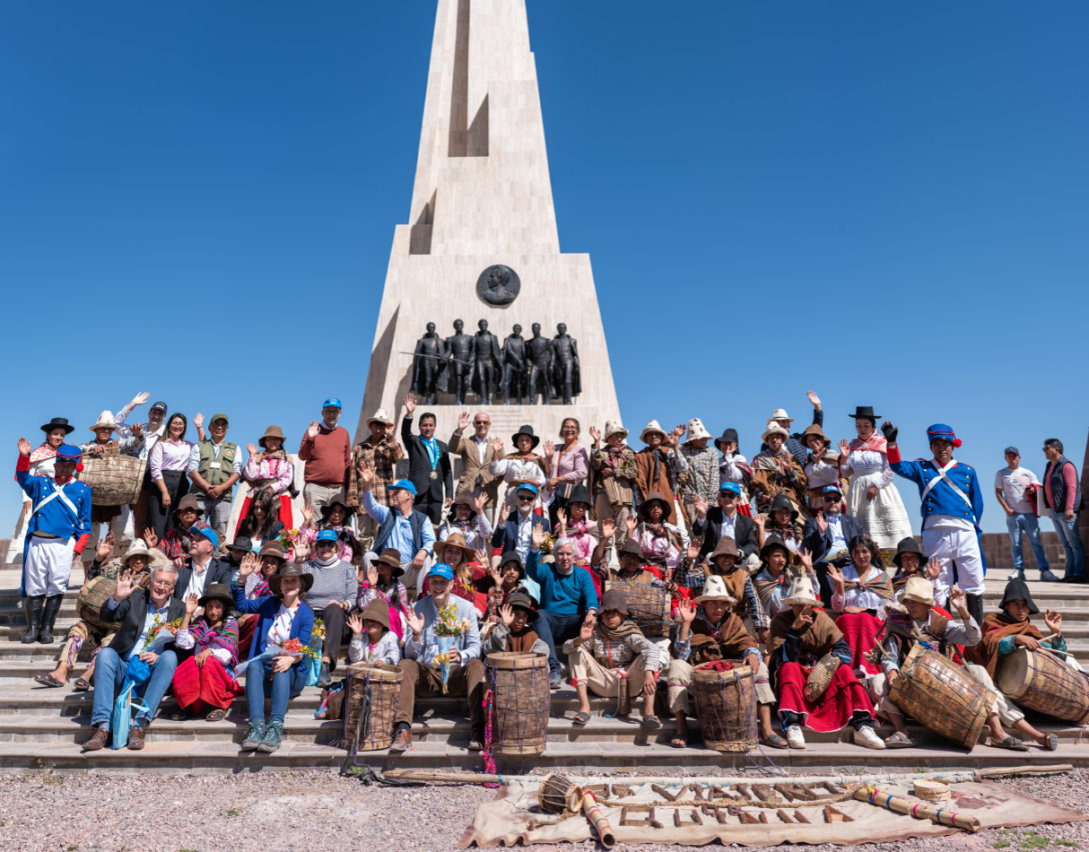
224,636
521,643
876,443
877,581
265,455
624,629
997,627
728,639
45,451
765,588
326,563
614,456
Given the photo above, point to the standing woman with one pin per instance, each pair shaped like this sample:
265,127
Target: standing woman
270,469
566,466
615,471
872,496
522,466
42,461
821,467
168,462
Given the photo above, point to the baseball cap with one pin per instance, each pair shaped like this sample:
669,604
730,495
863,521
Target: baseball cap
327,535
209,534
442,571
525,486
219,416
406,485
732,487
159,406
1013,450
332,402
832,489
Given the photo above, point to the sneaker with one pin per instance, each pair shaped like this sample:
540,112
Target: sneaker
254,735
866,737
794,737
1047,577
1018,574
401,742
274,735
555,680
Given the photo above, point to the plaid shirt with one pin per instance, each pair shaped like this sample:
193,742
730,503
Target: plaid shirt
702,477
691,575
384,459
176,543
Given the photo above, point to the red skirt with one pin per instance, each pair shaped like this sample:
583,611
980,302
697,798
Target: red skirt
860,631
195,687
845,695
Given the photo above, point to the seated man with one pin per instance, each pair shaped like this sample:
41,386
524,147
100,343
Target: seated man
710,629
423,677
724,521
513,532
800,637
399,526
610,657
141,614
202,568
826,536
724,564
568,597
332,597
1004,633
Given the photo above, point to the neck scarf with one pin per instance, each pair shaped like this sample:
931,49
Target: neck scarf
997,627
325,563
623,629
876,443
45,451
877,581
522,643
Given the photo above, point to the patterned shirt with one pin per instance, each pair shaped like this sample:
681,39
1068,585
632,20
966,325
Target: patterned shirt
222,641
332,583
176,542
383,458
702,480
618,655
691,575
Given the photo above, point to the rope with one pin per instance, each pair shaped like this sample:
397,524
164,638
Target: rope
489,762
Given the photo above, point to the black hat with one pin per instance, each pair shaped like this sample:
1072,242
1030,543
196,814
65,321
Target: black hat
579,494
465,498
521,598
242,542
1018,590
774,541
327,509
160,406
58,423
512,556
525,430
218,592
908,545
864,411
728,437
781,501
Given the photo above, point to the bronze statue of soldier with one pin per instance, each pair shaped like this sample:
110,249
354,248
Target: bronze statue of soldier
427,361
565,365
514,366
459,369
539,350
487,362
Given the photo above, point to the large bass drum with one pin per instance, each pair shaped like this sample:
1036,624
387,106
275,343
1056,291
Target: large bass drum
1042,682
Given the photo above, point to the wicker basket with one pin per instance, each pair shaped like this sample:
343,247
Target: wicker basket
820,677
520,702
384,684
115,480
726,707
932,791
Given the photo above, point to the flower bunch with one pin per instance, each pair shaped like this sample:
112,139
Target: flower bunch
288,538
160,633
294,646
319,629
449,624
548,543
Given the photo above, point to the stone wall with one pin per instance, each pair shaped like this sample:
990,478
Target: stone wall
996,550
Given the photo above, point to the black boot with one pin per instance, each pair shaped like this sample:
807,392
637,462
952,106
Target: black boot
35,604
975,608
52,607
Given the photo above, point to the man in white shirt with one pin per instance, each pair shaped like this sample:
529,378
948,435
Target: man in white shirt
153,430
1010,485
202,569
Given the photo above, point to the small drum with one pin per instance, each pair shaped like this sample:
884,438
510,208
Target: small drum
374,691
520,702
93,598
115,480
820,677
558,793
648,606
941,695
1044,683
726,706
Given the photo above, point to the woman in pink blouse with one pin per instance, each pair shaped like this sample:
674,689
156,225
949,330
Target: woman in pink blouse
566,465
270,469
167,464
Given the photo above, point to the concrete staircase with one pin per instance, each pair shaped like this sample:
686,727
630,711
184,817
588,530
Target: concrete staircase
42,728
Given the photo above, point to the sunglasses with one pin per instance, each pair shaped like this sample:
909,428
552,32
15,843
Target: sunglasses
828,498
525,498
482,423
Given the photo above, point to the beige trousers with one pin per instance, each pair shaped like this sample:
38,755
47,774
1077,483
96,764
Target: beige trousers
604,681
679,680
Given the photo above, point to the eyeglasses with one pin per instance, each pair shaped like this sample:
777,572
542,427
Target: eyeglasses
163,583
482,423
569,429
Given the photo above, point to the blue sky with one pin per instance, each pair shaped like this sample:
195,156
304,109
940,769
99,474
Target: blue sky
884,203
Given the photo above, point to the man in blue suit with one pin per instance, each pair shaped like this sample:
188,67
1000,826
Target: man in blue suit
952,504
826,537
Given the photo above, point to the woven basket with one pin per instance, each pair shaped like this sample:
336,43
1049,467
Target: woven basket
520,703
115,480
820,677
385,686
941,695
932,791
648,606
726,707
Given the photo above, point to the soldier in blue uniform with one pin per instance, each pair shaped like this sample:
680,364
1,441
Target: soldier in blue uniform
58,530
952,504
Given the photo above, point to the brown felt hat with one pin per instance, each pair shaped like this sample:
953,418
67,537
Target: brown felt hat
726,547
377,610
290,569
218,592
271,432
667,507
273,548
631,547
465,498
614,600
189,502
391,556
457,541
520,598
815,430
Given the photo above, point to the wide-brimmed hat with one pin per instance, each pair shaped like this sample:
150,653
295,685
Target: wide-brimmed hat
105,421
327,509
908,545
729,436
715,590
188,502
377,610
512,556
612,428
456,541
390,556
1018,590
271,432
696,430
815,430
781,501
525,430
780,414
290,569
667,514
58,423
241,542
774,429
137,548
726,547
771,541
613,599
520,598
273,548
801,593
864,411
630,547
465,498
920,590
653,426
579,494
218,592
379,416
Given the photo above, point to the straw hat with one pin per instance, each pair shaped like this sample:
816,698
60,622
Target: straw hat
780,414
696,430
271,432
137,548
380,416
801,593
653,426
715,590
612,428
774,429
457,541
920,590
105,421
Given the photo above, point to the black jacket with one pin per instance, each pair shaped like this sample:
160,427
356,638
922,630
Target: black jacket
818,544
506,537
219,571
130,613
711,530
419,466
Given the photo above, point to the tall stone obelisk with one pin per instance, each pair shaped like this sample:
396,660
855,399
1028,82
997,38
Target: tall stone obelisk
482,198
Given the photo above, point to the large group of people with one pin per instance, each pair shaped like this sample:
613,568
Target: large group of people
800,565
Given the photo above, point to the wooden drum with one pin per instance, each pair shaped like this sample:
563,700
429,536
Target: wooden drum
941,695
648,606
558,793
93,598
115,480
1042,682
726,706
520,700
379,686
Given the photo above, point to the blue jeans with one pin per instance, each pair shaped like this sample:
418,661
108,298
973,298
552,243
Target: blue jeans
1071,541
282,687
1025,522
110,675
554,630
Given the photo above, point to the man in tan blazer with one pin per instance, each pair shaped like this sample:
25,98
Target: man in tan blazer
476,454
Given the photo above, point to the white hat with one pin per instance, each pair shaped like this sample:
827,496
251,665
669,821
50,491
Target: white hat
715,590
380,416
920,590
774,429
653,426
612,427
696,430
105,421
801,593
779,414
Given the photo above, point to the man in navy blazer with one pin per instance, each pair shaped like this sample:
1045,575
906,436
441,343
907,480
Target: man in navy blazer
515,529
202,568
428,464
827,535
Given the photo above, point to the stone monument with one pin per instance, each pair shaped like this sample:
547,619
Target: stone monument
482,248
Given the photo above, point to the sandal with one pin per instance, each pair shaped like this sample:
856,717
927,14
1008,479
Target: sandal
775,741
899,740
651,723
82,685
679,740
1051,743
179,716
216,715
580,719
48,680
1011,743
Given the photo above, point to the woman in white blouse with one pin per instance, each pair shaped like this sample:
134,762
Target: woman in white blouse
863,585
167,464
821,466
524,465
872,496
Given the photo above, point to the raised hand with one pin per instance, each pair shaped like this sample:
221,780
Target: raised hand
506,615
308,514
806,558
366,475
608,529
814,399
688,610
252,448
1054,621
586,632
247,566
493,572
104,552
410,405
312,430
463,420
539,536
302,550
481,556
561,516
844,448
958,600
822,522
504,513
372,576
355,623
836,576
549,449
415,622
933,569
192,602
631,523
198,420
701,507
24,447
693,551
595,433
805,617
480,502
760,521
150,538
674,437
126,585
139,400
497,445
889,431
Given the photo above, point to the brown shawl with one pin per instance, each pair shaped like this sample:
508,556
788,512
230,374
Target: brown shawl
522,643
996,627
729,642
735,582
653,467
623,629
818,638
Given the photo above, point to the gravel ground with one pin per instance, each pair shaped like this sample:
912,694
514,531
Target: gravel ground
319,810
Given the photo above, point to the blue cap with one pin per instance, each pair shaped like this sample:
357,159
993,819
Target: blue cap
832,489
332,402
732,487
442,571
1013,450
525,486
327,535
69,453
942,432
209,534
406,485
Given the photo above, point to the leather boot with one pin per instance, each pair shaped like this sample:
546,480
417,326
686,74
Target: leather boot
567,393
975,608
52,607
624,699
35,606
